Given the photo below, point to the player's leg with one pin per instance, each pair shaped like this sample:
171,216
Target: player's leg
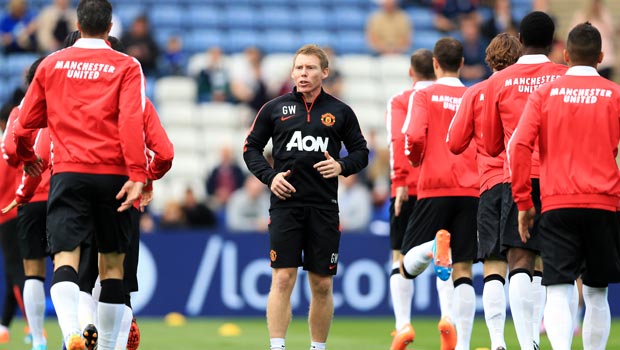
602,250
464,246
88,273
539,291
112,234
321,249
14,276
520,259
286,235
495,266
69,221
418,242
401,288
33,246
129,333
563,257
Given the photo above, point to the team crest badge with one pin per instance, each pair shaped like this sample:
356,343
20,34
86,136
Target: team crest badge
328,119
273,255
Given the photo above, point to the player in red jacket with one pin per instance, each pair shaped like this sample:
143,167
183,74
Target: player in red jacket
579,184
448,190
503,51
505,96
92,99
404,190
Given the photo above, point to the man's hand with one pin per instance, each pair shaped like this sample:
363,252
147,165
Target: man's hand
526,221
131,191
10,207
145,199
35,168
328,168
402,195
282,188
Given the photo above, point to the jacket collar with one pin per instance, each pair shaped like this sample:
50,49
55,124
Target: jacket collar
584,71
91,43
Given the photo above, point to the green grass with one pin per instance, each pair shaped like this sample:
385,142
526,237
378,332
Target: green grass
346,334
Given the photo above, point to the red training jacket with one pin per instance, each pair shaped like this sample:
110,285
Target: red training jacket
157,140
397,114
576,119
467,125
92,99
442,174
505,97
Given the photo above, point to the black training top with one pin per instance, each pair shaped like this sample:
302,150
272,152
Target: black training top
301,132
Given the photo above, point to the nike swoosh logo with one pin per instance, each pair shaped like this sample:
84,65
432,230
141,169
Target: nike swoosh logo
283,118
331,267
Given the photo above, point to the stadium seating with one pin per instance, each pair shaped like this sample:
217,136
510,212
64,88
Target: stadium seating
175,88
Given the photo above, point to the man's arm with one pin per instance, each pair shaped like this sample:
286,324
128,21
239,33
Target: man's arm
416,132
492,127
357,148
461,129
258,136
395,119
520,149
131,105
32,115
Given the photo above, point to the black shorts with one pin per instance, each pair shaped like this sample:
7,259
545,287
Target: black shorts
31,226
83,204
457,215
398,224
510,220
13,262
489,213
89,271
311,231
580,241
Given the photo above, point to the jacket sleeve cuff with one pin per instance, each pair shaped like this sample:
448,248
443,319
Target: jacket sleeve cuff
399,182
138,176
343,167
525,204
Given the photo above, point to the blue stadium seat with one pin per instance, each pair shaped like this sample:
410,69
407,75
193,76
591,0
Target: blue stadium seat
199,40
275,2
275,17
316,18
421,17
426,39
166,16
350,42
127,12
16,63
237,40
274,41
240,17
204,17
319,37
347,18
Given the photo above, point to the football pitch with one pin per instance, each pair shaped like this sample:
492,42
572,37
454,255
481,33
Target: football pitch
250,334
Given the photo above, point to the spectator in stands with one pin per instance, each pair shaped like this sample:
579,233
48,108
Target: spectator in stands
388,29
225,178
246,79
54,23
447,12
355,204
174,59
197,213
597,13
140,44
17,28
211,74
501,21
172,216
247,209
474,46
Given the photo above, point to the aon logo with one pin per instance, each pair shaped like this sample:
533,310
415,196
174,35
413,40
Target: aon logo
308,143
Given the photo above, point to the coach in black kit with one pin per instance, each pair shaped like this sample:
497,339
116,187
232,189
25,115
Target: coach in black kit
307,127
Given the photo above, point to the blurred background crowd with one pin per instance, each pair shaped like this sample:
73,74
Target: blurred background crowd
210,64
